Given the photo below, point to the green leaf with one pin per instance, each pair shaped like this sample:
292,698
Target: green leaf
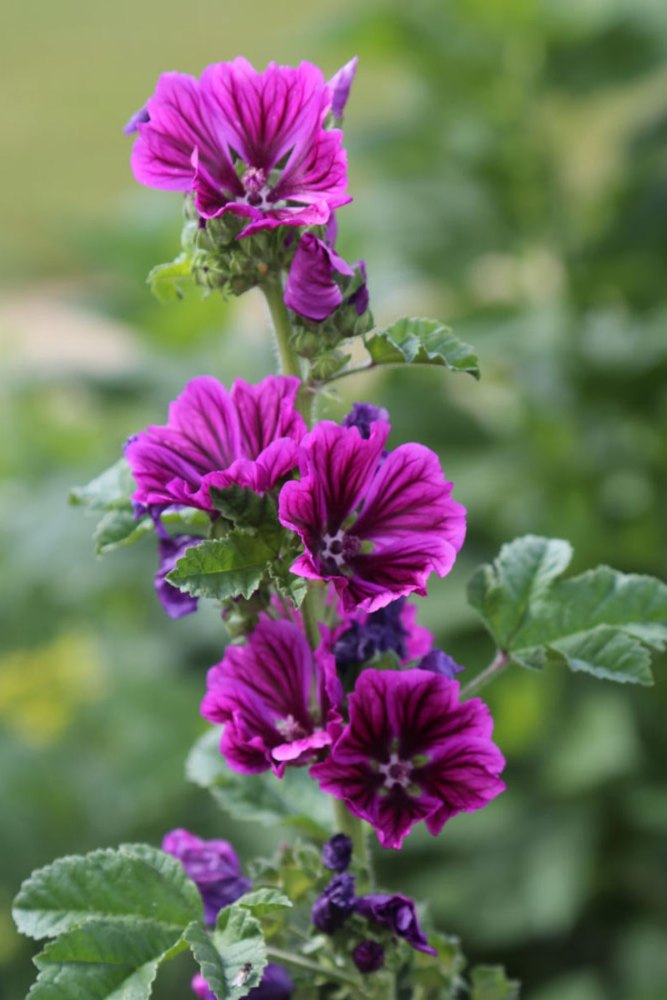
232,566
600,622
263,902
489,982
117,528
232,958
111,490
135,881
295,801
102,960
422,342
244,507
167,281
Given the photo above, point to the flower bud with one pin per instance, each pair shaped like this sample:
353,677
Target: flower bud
368,956
337,853
333,906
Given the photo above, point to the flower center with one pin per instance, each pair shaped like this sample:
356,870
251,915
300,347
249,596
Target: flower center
396,772
254,185
336,550
290,728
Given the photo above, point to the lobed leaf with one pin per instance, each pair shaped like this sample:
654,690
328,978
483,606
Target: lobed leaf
490,982
111,490
167,281
232,958
600,622
135,881
232,566
422,342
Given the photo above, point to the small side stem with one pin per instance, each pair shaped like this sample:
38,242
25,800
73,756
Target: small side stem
499,662
355,829
289,958
273,293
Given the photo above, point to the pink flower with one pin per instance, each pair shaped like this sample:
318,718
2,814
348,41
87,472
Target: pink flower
412,752
245,142
247,437
376,526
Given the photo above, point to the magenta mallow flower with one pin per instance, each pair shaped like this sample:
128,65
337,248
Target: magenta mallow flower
412,752
212,865
340,85
175,602
275,698
311,289
246,142
397,914
393,628
376,526
276,984
247,437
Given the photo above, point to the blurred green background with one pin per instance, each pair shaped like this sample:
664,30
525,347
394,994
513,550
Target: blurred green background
508,161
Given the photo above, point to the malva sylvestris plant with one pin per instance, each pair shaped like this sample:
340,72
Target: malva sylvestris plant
332,711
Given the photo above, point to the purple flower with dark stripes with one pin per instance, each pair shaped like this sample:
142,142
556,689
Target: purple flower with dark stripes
397,914
276,984
247,437
245,142
412,752
212,865
277,699
175,602
377,526
312,290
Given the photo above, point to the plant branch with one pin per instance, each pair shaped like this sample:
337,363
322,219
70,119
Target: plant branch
273,293
289,958
498,664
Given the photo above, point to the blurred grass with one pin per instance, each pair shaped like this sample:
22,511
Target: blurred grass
508,162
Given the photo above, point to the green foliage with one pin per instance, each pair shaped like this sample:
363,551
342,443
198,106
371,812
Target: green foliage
111,490
422,342
115,915
233,957
244,507
427,978
168,281
221,568
489,982
599,622
294,802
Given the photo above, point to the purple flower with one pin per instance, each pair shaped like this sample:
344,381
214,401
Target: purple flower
340,84
359,298
368,956
311,288
363,416
246,142
333,906
139,117
213,438
212,865
375,526
175,602
439,662
392,628
337,853
412,752
276,984
397,914
262,693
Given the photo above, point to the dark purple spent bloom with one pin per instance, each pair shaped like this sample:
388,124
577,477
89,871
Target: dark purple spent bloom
246,142
368,956
375,524
274,697
382,632
337,853
175,602
340,85
439,662
363,416
212,865
247,437
311,289
139,117
411,752
397,914
276,984
333,906
360,298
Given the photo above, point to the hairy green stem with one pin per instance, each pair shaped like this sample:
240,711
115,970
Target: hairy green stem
289,958
310,614
358,832
498,664
273,293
